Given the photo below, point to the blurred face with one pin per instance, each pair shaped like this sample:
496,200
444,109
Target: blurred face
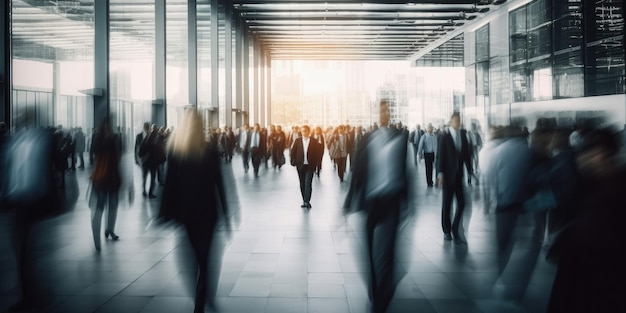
306,132
595,163
430,129
455,122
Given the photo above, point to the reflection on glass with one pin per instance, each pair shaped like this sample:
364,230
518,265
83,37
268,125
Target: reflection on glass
52,45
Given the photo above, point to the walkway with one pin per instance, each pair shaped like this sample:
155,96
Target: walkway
280,258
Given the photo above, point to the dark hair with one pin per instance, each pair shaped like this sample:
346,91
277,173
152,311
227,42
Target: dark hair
604,138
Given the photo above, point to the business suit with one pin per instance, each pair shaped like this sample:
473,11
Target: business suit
449,165
305,166
381,192
256,150
244,146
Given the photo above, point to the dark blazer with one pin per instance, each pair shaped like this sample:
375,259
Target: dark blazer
355,199
246,147
296,154
138,141
449,161
194,190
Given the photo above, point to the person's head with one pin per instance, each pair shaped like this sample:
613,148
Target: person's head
306,131
430,129
455,121
598,158
384,113
188,142
146,127
257,127
279,128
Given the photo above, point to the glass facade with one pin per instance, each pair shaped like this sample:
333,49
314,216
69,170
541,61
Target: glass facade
565,49
54,68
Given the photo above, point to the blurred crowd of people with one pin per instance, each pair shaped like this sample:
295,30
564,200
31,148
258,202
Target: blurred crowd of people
568,180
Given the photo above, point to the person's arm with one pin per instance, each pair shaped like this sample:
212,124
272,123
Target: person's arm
420,147
439,163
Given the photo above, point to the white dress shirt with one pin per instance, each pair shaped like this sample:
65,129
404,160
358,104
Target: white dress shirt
305,148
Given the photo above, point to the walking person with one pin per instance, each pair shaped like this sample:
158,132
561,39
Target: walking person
194,196
426,150
256,151
278,147
243,141
106,181
378,187
304,156
79,139
453,152
319,136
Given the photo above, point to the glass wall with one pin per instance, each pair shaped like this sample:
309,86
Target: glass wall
222,66
131,65
562,49
204,53
177,52
604,39
52,50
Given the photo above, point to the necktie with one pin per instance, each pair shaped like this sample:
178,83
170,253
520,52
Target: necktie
457,141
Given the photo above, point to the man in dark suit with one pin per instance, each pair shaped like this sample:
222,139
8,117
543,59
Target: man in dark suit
243,142
304,156
453,152
378,187
256,149
143,149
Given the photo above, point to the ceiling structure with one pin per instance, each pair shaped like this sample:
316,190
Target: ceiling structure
355,30
287,29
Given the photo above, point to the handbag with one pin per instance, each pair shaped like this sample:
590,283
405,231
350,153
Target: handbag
99,175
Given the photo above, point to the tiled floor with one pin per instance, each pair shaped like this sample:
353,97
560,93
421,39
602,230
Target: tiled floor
279,258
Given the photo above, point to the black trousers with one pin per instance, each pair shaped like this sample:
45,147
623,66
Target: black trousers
245,156
449,191
381,229
341,167
429,159
201,237
256,155
305,174
144,171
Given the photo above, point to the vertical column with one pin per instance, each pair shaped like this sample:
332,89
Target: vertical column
56,92
262,69
159,104
5,65
255,81
101,101
215,64
228,66
239,71
246,76
268,86
192,45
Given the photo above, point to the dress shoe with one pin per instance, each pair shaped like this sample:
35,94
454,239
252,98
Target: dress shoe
447,237
459,241
152,196
303,205
145,194
112,234
308,205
